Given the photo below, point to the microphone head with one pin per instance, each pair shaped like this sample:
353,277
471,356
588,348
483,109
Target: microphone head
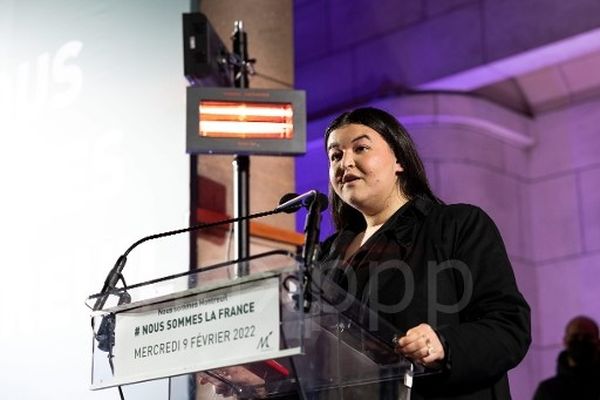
292,202
287,197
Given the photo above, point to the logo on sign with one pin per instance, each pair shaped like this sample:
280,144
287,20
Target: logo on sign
263,342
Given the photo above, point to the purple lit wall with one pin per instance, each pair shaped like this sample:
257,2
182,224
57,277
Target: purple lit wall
536,172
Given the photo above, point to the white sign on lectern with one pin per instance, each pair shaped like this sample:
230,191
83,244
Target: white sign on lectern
208,330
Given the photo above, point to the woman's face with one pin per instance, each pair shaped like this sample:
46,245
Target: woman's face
363,170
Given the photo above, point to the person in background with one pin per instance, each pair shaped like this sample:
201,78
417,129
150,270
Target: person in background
578,366
443,256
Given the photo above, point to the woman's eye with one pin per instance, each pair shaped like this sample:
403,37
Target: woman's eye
360,148
335,156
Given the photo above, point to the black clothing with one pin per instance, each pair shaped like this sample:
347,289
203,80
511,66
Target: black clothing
445,266
570,382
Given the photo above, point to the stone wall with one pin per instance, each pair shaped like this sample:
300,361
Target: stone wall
537,178
365,48
564,199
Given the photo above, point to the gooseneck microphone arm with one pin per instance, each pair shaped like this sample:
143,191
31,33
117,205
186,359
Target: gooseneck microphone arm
115,273
289,203
199,227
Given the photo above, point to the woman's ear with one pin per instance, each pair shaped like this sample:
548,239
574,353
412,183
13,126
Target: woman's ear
399,168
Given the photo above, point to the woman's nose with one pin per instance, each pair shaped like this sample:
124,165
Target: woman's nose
347,160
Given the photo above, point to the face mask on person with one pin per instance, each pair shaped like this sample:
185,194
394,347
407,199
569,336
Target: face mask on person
582,351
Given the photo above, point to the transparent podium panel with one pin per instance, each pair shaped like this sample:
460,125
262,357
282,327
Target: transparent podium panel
351,362
340,358
259,336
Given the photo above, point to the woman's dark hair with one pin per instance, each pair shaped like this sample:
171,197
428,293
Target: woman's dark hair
413,180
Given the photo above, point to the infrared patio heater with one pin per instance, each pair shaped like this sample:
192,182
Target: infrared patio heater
225,116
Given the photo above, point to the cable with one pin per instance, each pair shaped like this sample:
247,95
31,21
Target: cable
270,78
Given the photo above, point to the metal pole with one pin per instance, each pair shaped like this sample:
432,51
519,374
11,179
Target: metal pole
241,164
241,194
240,50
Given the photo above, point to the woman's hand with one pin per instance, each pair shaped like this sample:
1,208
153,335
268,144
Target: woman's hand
230,381
421,344
219,386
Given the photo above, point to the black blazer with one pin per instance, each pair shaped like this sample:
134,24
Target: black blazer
444,265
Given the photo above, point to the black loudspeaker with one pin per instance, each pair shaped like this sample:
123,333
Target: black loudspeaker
205,56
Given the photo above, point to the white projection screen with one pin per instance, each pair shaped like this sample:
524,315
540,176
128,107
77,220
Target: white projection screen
92,157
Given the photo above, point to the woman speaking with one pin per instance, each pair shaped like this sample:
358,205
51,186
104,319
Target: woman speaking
453,297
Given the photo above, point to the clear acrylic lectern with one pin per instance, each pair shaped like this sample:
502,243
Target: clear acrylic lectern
249,337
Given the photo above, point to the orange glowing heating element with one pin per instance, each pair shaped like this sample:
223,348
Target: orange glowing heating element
246,120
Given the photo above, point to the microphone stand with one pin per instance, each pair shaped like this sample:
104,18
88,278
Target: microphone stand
312,227
311,231
116,273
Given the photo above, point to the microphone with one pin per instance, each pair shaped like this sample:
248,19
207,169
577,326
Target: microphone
292,202
287,203
312,225
316,202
